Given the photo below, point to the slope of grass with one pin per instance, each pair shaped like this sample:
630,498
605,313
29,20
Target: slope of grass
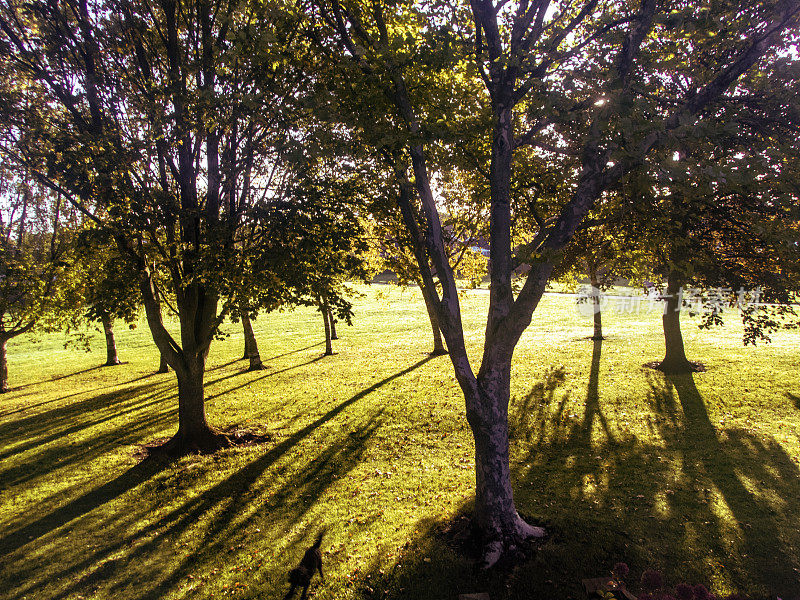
695,475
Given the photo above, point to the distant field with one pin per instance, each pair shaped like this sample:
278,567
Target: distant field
698,476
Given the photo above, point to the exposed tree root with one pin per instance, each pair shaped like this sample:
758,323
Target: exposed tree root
670,368
208,443
438,352
465,537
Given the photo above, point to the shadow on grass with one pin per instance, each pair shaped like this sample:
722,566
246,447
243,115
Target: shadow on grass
794,398
701,505
78,507
28,407
265,360
57,378
48,426
255,379
215,521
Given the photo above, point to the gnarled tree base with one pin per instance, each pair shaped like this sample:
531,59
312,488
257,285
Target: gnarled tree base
112,363
677,368
177,445
511,545
181,444
259,366
464,536
438,352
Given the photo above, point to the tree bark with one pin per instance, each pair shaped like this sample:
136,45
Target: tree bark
598,316
332,322
675,360
194,433
438,344
111,343
197,309
163,366
495,512
325,313
3,365
250,344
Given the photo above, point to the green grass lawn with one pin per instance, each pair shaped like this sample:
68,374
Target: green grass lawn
697,476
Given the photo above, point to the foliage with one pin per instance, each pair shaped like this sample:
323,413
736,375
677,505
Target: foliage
35,253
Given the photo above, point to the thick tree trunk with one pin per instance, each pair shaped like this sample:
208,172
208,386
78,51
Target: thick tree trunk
487,395
194,433
332,322
328,346
111,343
250,344
3,365
163,366
438,344
495,513
675,360
198,316
598,316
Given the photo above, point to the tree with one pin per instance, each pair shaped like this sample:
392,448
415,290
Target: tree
34,247
163,118
396,250
103,288
603,255
720,219
587,81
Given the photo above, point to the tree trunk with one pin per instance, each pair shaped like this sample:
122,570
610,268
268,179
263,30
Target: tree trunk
194,433
111,343
438,344
675,360
332,322
598,316
250,344
3,365
495,513
163,366
198,313
325,313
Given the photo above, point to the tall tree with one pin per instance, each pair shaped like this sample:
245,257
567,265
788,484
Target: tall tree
587,80
34,249
166,116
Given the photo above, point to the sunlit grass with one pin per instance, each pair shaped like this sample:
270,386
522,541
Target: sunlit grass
695,475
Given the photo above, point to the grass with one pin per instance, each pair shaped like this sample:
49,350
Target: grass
697,476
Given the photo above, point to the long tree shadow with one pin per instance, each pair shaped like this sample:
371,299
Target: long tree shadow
58,378
582,433
29,407
702,505
292,500
41,429
277,356
107,492
223,511
255,379
753,490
